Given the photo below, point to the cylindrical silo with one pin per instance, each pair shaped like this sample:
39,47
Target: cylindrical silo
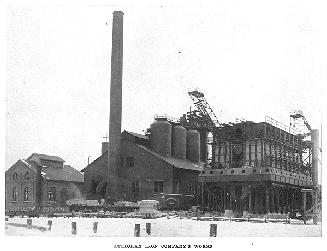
315,152
160,138
178,146
193,146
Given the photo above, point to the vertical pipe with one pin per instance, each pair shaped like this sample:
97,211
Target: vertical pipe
219,152
315,152
230,155
255,153
115,103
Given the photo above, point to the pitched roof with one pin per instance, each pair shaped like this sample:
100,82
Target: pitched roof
137,135
45,157
178,163
67,173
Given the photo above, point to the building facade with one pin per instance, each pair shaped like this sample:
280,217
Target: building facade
143,173
41,182
257,167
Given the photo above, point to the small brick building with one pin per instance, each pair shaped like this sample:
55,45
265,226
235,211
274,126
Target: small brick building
143,173
57,183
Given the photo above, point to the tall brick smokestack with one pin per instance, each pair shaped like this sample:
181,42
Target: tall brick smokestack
115,104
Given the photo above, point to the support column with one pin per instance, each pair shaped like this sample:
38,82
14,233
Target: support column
230,198
277,200
273,209
202,194
304,200
256,201
288,194
267,199
224,197
250,200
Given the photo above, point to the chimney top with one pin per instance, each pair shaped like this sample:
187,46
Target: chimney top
118,12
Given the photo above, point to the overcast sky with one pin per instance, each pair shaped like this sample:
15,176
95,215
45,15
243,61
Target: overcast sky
249,61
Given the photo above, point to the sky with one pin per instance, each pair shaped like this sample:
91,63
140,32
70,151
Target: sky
250,61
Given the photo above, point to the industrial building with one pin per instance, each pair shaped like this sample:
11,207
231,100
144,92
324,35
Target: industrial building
257,167
250,167
166,161
41,182
260,168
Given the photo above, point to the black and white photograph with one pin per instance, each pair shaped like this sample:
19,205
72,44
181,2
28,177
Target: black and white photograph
163,119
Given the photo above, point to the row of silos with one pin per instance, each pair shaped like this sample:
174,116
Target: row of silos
174,140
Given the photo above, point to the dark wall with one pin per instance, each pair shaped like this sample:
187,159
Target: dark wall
186,181
147,169
74,189
20,183
96,172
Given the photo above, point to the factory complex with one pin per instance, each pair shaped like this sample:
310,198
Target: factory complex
237,169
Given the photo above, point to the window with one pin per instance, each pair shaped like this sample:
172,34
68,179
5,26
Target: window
130,161
93,186
64,195
158,186
135,187
52,194
26,194
14,194
15,176
27,176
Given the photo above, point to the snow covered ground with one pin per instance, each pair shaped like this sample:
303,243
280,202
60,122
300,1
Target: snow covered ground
161,227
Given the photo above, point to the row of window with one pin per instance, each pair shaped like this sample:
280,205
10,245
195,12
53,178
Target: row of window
129,162
25,197
26,176
53,192
51,195
158,186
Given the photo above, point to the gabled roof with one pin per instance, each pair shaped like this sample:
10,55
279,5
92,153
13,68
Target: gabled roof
178,163
45,157
137,135
67,173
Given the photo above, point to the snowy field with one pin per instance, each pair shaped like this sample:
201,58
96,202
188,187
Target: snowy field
161,227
